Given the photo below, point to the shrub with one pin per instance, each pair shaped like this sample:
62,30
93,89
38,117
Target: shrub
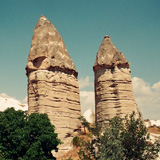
26,137
120,139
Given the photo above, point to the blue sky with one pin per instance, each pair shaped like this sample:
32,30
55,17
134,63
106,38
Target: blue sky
133,26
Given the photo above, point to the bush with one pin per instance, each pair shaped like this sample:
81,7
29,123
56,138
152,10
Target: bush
120,139
26,137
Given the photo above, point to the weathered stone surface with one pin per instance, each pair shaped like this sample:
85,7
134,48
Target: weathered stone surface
48,51
113,85
52,82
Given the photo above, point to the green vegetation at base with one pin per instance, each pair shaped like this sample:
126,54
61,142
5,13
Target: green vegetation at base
26,137
120,139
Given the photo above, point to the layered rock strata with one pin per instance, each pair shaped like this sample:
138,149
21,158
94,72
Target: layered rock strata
52,82
113,84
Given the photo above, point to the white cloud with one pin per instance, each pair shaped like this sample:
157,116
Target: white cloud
147,97
156,87
84,82
4,95
87,100
141,87
7,102
24,101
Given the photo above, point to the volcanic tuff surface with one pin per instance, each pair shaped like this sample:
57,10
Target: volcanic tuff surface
48,50
52,82
113,85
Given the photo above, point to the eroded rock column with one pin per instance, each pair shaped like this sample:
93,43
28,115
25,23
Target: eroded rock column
52,82
113,85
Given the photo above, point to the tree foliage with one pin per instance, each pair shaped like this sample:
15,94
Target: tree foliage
120,139
26,137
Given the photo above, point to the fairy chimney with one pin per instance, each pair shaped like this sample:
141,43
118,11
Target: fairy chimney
52,82
113,85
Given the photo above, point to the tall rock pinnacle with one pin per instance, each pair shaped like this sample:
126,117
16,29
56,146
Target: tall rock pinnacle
48,50
113,84
109,56
52,82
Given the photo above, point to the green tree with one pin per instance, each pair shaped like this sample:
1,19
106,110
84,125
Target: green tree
120,139
136,140
26,137
110,142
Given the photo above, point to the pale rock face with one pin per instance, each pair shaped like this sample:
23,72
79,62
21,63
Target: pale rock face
147,123
151,123
155,122
52,83
113,85
57,94
48,50
89,115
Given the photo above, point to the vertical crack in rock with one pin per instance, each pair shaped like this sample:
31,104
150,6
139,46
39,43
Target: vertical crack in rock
52,82
113,85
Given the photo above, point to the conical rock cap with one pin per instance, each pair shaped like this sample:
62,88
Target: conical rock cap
109,56
48,51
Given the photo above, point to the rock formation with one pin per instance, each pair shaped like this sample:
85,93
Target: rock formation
52,82
89,116
113,85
